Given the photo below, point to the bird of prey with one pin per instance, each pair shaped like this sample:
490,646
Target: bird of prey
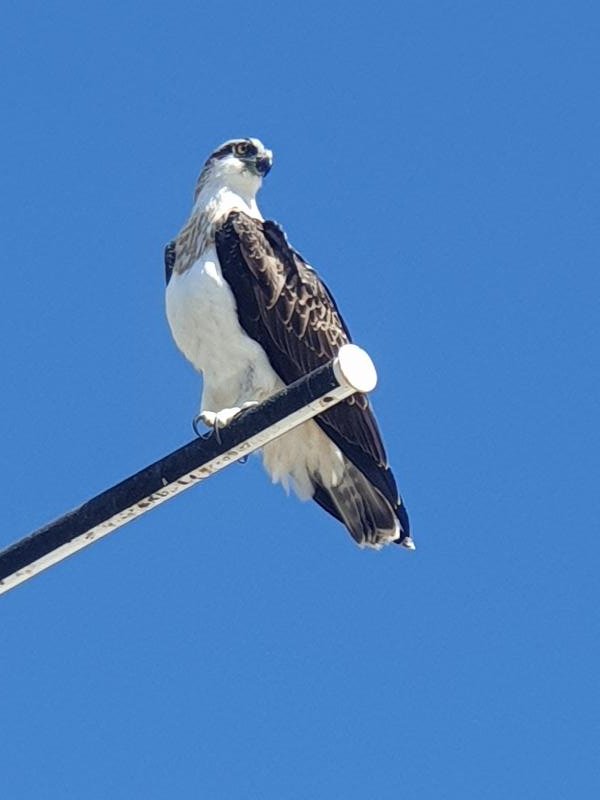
252,316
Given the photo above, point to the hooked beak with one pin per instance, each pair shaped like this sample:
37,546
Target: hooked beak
262,163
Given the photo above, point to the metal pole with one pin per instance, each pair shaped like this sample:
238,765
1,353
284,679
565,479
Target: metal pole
352,371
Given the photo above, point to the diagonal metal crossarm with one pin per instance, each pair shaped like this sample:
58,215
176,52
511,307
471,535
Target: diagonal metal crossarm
352,371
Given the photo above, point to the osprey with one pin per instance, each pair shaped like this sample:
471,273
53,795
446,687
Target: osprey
251,315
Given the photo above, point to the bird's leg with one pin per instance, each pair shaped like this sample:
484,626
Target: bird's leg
219,419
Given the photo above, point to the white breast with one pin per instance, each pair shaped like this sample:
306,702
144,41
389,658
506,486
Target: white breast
202,314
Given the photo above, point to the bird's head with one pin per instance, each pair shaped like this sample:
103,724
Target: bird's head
238,165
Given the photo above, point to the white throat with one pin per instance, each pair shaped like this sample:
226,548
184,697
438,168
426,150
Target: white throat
216,199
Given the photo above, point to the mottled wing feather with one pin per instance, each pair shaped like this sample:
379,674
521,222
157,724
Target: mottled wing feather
284,306
170,256
268,271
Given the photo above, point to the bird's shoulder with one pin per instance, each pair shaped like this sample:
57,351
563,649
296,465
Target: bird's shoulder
170,258
293,299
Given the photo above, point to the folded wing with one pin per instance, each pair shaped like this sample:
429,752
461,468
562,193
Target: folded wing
284,306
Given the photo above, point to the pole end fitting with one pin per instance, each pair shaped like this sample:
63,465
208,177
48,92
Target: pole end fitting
353,367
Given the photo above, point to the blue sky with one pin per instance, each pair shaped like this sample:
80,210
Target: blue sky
438,163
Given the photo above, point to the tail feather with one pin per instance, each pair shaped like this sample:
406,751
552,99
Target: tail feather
368,516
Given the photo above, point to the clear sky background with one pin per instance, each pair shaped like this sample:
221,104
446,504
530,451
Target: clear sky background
438,163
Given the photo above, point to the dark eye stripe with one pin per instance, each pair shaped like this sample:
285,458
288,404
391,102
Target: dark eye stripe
228,149
223,151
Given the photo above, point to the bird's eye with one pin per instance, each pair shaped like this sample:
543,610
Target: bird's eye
241,148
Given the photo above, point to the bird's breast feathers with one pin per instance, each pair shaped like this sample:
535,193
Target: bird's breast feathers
202,314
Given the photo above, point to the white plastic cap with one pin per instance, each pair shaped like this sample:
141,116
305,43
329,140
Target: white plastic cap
353,367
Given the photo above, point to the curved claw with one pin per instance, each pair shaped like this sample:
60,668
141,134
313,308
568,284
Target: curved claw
218,419
200,434
214,428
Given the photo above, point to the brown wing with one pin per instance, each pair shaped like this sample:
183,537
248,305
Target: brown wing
283,305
